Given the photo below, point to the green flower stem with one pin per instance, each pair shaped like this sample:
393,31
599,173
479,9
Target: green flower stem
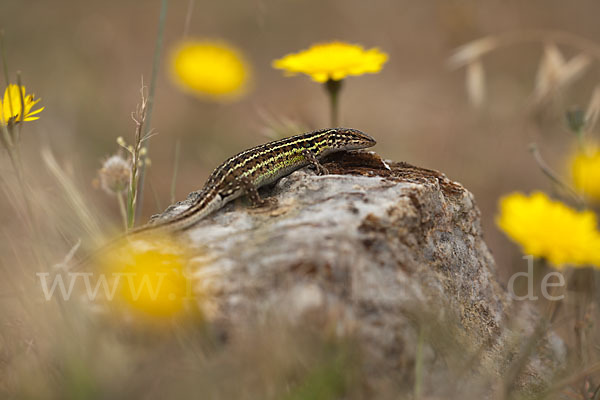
122,209
132,193
579,201
333,88
17,133
5,70
6,139
10,136
577,124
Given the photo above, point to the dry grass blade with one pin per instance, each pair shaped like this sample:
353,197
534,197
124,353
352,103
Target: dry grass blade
548,72
553,176
475,83
277,127
554,73
574,68
554,57
590,370
153,77
139,118
68,257
72,194
12,195
188,18
468,53
175,170
593,108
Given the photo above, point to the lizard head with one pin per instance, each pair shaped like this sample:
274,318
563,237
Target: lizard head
348,139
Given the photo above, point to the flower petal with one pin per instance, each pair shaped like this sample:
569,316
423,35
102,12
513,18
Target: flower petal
550,229
37,111
16,105
208,68
335,60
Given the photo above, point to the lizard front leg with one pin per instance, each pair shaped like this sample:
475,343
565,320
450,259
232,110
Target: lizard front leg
310,157
251,191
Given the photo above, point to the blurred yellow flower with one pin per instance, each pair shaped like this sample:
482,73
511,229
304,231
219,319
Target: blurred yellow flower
585,171
550,229
210,69
335,61
152,275
10,105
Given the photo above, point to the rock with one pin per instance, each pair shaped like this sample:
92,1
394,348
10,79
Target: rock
388,251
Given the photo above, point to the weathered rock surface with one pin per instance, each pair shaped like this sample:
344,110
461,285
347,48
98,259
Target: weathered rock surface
384,250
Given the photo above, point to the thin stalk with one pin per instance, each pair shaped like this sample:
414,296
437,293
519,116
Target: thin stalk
17,149
589,370
553,176
576,121
596,394
188,18
22,100
334,102
333,88
523,356
122,209
3,54
6,137
78,204
155,68
5,70
418,388
580,139
175,170
542,326
159,208
493,42
132,194
15,160
131,198
582,284
10,139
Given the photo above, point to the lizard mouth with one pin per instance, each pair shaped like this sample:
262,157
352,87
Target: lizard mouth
360,140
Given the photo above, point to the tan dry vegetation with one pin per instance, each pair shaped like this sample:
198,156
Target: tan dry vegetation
85,59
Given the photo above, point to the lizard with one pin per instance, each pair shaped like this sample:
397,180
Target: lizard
247,171
251,169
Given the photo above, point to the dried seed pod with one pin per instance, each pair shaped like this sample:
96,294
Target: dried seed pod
115,174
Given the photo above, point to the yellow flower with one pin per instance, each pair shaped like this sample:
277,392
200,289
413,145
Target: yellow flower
550,229
152,275
335,61
585,171
210,69
10,105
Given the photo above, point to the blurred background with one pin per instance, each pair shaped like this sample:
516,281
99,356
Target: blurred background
85,60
